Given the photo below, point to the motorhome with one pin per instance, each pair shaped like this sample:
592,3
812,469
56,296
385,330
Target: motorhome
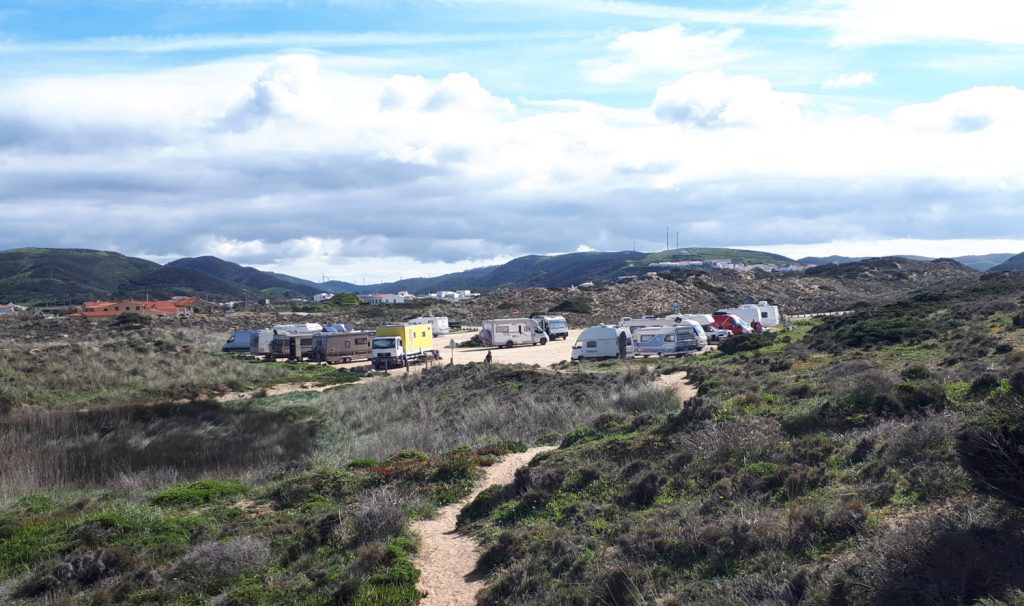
555,326
665,341
398,344
259,342
438,324
238,342
509,332
299,346
602,343
341,347
281,343
767,315
666,322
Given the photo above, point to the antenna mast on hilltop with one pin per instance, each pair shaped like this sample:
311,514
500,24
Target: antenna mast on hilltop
666,237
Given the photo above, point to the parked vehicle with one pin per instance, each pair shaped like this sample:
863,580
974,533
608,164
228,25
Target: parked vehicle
715,334
602,343
767,315
439,324
397,344
281,343
666,322
665,341
510,332
341,347
299,347
259,342
732,323
555,326
238,342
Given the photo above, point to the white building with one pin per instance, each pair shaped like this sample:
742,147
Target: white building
320,298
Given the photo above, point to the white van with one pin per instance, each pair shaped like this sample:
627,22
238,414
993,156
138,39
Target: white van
602,343
509,332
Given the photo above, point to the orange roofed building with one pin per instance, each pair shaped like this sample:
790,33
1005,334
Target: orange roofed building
179,306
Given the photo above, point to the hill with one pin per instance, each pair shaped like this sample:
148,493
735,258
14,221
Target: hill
60,276
750,257
1014,263
978,262
169,281
246,276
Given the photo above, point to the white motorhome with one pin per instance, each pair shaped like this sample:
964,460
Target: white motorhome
509,332
665,341
666,322
602,343
438,324
767,315
555,326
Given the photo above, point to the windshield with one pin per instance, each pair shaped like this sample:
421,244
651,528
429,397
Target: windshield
556,324
384,343
577,345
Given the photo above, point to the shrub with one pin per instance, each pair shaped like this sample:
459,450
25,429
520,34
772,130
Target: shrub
575,306
76,571
747,342
199,493
992,451
379,518
131,320
643,491
211,565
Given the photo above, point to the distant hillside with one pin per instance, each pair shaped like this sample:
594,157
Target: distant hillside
246,276
60,276
170,281
1014,263
319,287
978,262
984,262
750,257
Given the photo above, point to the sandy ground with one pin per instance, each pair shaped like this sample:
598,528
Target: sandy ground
446,559
678,381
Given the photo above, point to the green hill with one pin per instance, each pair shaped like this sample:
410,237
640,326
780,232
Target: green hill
1014,263
55,276
246,276
750,257
169,281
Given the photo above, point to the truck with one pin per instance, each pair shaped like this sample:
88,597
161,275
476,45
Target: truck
341,347
509,332
439,324
665,341
398,344
555,326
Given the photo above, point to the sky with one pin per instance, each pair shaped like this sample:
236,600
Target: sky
369,140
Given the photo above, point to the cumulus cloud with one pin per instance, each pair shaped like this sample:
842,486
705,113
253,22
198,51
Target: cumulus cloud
714,100
361,176
665,50
854,80
874,22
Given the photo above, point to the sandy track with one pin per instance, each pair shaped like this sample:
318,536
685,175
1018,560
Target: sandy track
679,382
446,558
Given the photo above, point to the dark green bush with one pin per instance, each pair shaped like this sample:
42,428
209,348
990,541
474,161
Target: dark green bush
992,451
199,493
747,342
575,306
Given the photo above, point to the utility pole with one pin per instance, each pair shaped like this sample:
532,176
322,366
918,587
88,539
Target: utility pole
666,237
677,238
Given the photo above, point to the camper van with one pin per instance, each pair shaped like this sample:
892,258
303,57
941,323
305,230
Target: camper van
397,344
555,326
510,332
767,315
341,347
603,343
281,343
438,324
666,322
259,342
299,347
665,341
238,342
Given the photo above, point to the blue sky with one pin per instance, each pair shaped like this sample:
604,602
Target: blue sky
367,140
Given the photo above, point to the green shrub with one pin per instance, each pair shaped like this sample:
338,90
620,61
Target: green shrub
199,493
575,306
992,451
747,342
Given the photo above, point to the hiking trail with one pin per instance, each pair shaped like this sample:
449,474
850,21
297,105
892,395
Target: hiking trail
447,558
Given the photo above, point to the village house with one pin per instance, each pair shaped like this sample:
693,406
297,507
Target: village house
179,307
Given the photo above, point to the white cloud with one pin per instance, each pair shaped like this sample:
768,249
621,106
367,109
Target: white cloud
966,111
714,100
665,50
854,80
878,22
459,91
288,88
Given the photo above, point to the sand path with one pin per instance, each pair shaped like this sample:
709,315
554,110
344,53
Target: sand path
679,382
446,558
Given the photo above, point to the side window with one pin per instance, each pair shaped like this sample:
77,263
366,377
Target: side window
592,344
348,343
764,314
670,338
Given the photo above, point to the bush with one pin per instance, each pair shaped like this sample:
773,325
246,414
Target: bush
131,320
211,565
76,571
199,493
992,451
747,342
575,306
379,519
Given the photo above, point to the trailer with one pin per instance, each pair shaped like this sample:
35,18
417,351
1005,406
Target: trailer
341,347
555,326
439,324
603,342
665,341
635,324
509,332
767,315
399,344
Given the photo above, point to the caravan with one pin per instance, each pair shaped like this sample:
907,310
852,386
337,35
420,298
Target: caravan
438,324
767,315
603,343
341,347
665,341
666,322
510,332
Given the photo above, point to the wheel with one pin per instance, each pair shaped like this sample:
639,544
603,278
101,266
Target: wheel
510,345
543,341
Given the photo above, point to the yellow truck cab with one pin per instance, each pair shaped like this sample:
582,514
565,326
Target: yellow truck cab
396,344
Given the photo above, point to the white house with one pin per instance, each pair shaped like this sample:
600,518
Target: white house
320,298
